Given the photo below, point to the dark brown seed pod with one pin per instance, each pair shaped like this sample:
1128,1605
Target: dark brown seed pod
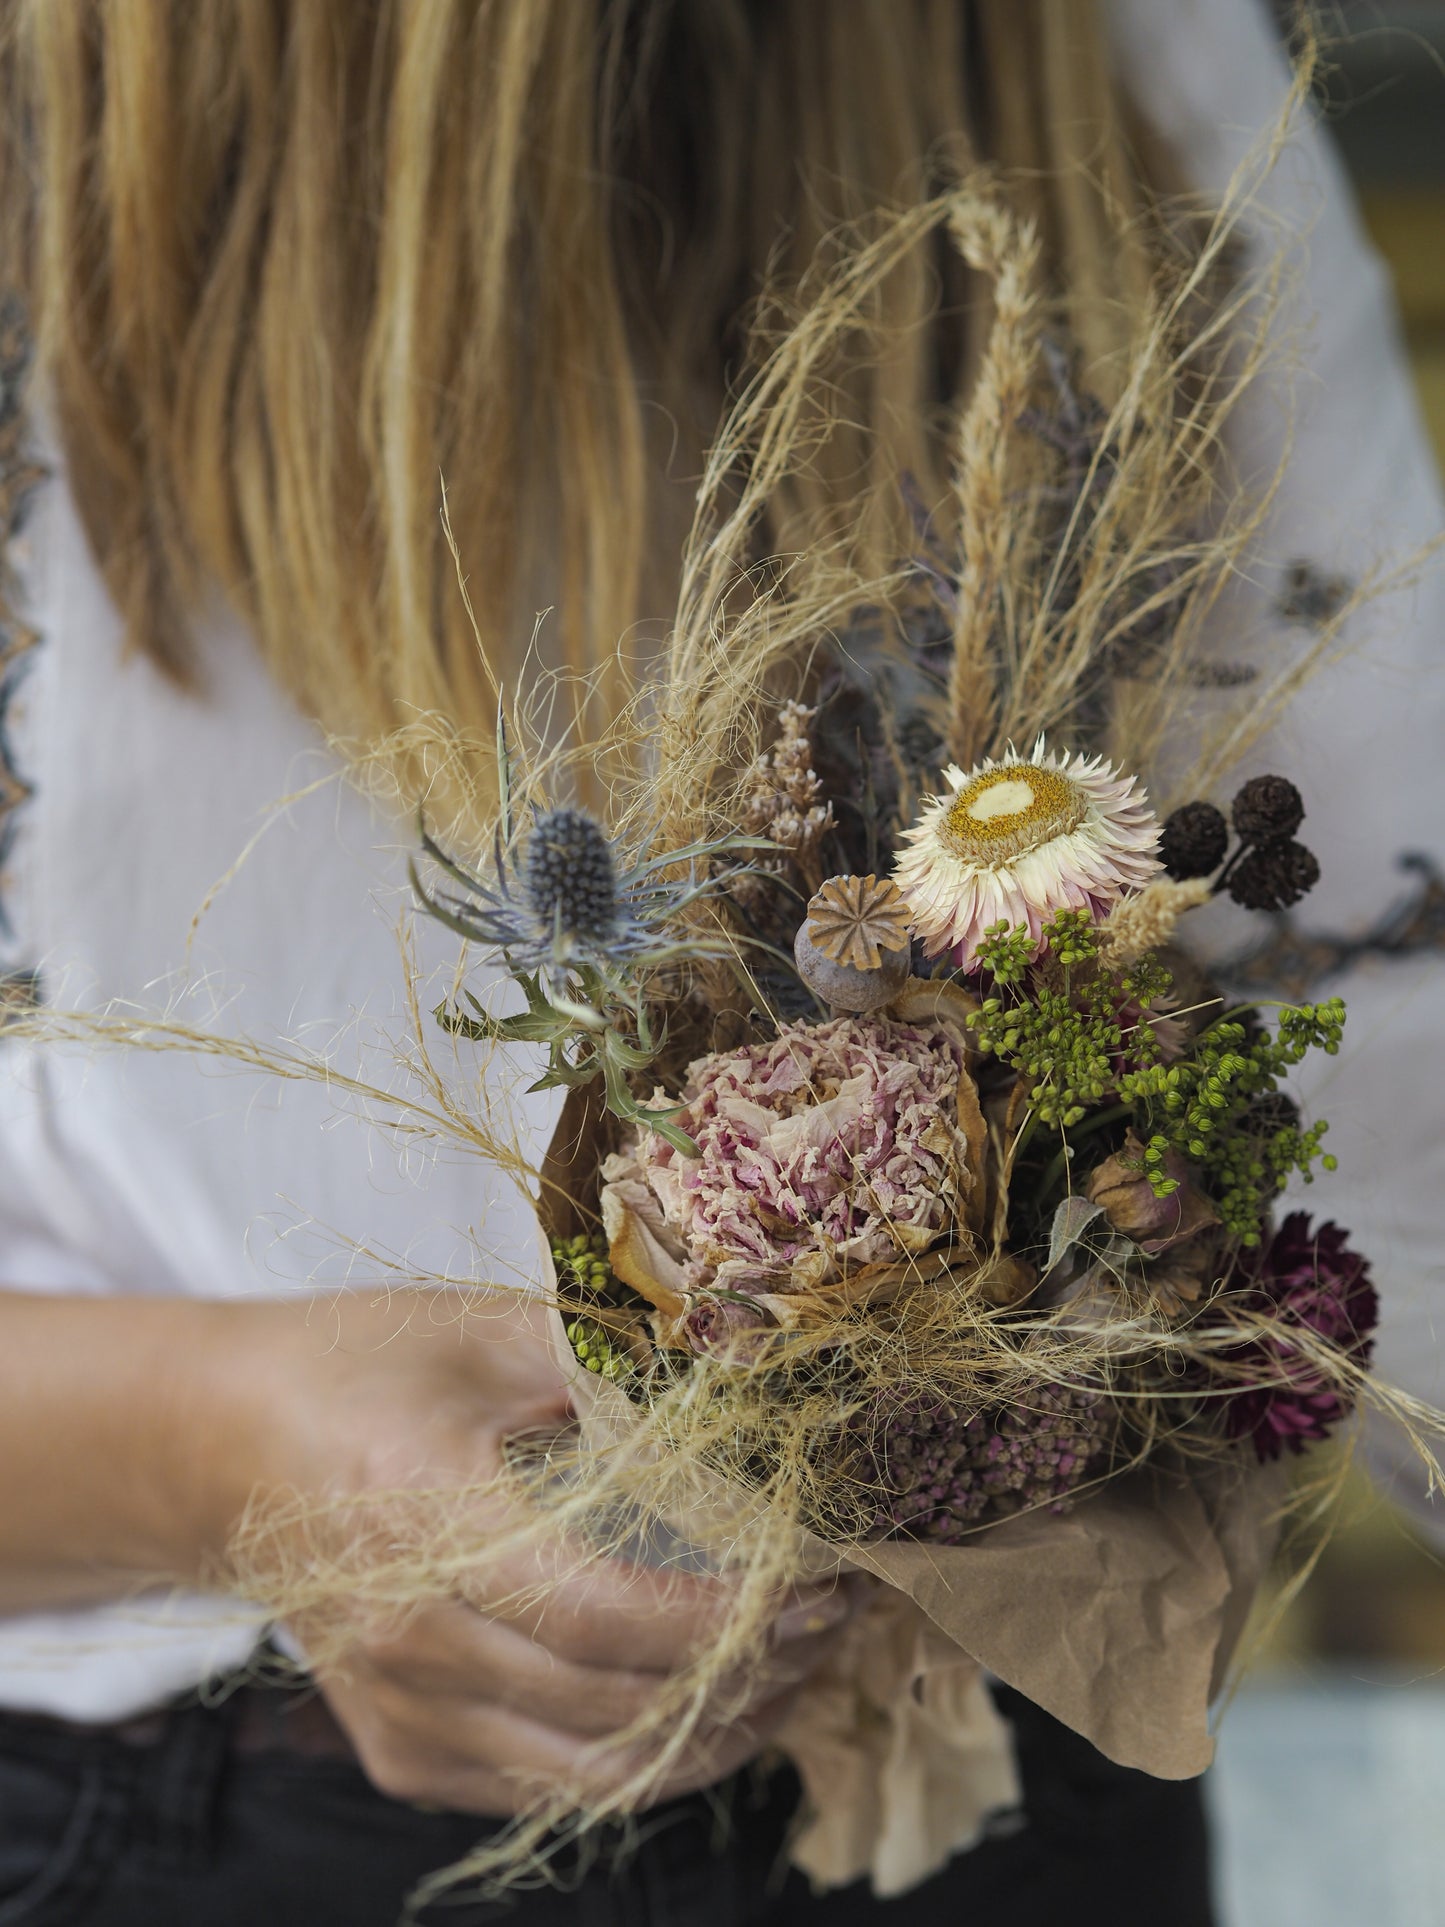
1193,841
1266,809
1274,875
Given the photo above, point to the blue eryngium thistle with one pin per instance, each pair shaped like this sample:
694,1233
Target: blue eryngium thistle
569,878
577,925
571,912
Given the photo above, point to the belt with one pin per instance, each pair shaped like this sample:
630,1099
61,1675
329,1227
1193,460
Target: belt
259,1719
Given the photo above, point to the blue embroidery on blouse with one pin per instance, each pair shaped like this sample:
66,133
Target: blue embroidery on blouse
18,478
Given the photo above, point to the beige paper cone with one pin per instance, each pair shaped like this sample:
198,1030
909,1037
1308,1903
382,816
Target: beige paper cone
1119,1617
902,1754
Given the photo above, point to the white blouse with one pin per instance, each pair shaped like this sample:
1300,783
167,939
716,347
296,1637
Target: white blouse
165,1173
157,864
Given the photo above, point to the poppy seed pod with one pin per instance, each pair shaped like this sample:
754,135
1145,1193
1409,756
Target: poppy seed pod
853,949
844,987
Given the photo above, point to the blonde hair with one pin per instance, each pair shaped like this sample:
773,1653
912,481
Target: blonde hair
293,268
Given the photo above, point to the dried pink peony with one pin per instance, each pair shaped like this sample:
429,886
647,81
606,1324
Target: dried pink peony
832,1147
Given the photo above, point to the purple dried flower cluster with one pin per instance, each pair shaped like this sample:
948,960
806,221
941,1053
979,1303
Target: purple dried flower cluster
835,1145
1309,1280
934,1473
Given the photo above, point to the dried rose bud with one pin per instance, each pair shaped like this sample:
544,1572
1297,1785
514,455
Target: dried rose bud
1193,841
725,1328
1266,808
1134,1208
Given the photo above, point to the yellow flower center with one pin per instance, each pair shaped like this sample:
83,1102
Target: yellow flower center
1007,812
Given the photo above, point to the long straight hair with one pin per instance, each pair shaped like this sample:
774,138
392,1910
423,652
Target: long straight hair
293,269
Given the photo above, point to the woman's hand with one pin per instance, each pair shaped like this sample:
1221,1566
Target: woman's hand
476,1703
135,1432
469,1709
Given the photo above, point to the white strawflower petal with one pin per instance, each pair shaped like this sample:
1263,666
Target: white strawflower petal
1017,840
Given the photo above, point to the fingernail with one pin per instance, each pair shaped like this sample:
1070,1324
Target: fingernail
813,1616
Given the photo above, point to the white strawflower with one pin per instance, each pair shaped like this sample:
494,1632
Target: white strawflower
1018,840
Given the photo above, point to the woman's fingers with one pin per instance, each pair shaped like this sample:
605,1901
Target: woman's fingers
462,1656
478,1704
492,1759
609,1612
715,1752
476,1759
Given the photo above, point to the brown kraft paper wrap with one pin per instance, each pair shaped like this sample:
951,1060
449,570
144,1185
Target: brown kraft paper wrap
902,1754
1119,1616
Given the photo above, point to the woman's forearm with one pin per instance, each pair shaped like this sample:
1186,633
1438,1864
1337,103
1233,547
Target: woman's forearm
122,1455
134,1430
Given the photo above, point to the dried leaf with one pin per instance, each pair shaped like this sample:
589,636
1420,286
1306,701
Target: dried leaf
639,1258
1071,1220
974,1127
925,1000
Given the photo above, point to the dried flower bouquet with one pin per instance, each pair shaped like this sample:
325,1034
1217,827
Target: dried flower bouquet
913,1207
984,1233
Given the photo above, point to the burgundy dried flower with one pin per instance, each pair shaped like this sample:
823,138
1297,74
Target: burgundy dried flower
1306,1280
932,1473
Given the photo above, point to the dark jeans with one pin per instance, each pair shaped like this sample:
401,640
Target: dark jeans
189,1832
